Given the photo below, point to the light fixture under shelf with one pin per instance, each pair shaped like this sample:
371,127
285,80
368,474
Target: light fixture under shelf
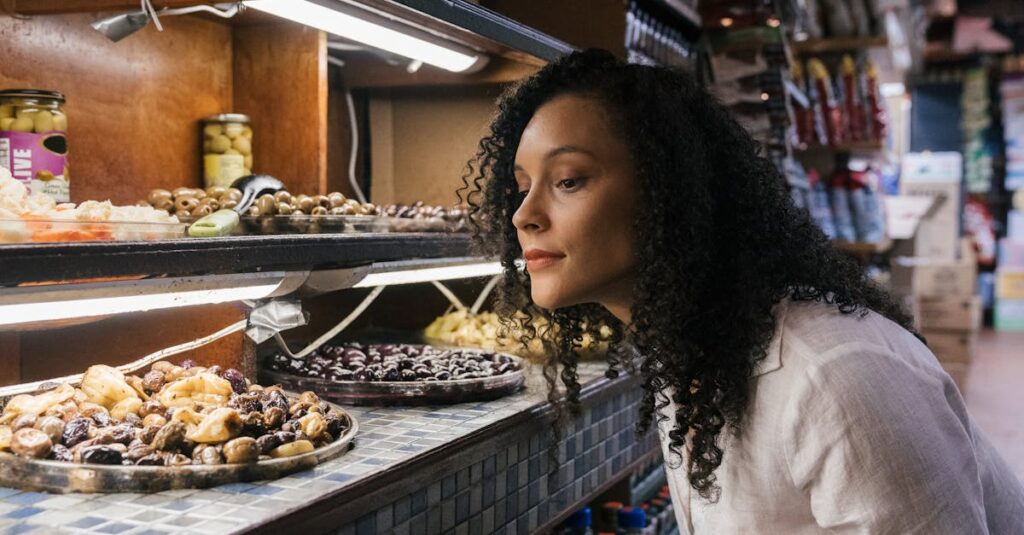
357,24
36,304
31,305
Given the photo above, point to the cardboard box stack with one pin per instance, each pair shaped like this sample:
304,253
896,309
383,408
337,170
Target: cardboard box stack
938,277
1009,308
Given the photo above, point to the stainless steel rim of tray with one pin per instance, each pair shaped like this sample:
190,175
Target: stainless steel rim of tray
406,392
64,477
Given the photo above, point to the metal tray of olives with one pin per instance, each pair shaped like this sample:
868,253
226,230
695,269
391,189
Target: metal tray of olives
64,477
272,225
417,392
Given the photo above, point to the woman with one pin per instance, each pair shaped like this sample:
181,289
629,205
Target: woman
792,395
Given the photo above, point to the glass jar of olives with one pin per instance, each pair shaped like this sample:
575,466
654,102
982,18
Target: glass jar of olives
33,140
227,148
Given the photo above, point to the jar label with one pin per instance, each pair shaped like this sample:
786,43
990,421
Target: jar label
37,160
223,169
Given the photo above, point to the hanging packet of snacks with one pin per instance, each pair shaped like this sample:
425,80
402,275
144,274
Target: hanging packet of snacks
821,207
876,109
853,112
831,116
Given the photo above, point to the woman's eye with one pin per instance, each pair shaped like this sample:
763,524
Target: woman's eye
569,183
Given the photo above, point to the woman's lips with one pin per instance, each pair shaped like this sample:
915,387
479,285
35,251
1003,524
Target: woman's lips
539,259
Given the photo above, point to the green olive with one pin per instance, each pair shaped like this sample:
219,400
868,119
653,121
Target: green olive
201,210
337,210
6,110
43,121
186,203
216,191
182,213
23,124
6,122
232,152
318,210
212,130
283,196
220,144
242,145
321,200
304,203
228,203
267,204
158,195
233,130
247,161
254,211
284,208
25,113
60,122
234,193
336,199
212,202
199,193
182,192
247,131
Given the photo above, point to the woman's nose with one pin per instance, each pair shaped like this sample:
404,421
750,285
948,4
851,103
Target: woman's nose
530,216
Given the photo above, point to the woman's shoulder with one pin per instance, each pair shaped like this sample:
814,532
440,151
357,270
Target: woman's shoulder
818,340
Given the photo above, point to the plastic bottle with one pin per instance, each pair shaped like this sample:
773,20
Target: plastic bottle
632,521
578,524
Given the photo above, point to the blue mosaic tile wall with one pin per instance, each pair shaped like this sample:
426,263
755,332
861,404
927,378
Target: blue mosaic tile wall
508,492
504,492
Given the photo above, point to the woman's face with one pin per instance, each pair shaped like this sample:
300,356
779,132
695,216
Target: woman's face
579,192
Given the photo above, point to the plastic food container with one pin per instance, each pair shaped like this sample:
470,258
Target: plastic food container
59,231
309,224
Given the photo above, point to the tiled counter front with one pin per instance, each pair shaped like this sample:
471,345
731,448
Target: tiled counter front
470,468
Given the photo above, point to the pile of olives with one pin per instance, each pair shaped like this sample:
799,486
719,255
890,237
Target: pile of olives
394,362
423,211
196,202
192,202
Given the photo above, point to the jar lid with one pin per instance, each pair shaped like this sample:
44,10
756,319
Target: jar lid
632,517
32,93
227,118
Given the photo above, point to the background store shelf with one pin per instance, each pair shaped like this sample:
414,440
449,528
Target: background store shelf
839,44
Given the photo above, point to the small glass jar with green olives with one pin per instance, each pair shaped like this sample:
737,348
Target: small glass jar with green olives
33,140
227,148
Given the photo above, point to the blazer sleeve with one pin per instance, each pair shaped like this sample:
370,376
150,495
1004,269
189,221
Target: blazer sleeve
884,445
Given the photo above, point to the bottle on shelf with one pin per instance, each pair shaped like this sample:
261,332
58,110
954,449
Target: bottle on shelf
632,521
578,524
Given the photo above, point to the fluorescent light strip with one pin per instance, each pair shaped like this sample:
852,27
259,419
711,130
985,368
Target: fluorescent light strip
357,29
102,306
412,276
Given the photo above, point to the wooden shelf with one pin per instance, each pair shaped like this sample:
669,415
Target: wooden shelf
853,146
838,44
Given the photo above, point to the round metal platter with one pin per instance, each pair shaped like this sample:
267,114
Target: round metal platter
404,392
64,477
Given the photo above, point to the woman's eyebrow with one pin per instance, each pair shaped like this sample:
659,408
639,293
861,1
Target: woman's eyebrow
558,151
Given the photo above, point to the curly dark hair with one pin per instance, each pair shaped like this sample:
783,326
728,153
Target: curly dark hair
718,241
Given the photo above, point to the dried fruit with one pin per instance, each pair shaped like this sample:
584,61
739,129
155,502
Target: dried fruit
241,450
169,437
76,431
60,453
237,380
125,407
312,425
219,426
101,455
292,448
106,386
52,426
268,442
29,442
